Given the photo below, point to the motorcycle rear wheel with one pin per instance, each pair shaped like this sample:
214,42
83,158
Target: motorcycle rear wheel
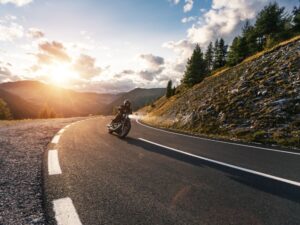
126,130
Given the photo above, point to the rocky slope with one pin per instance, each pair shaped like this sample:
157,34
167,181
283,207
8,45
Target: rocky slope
257,100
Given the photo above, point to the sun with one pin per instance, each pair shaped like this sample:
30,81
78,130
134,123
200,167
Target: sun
61,74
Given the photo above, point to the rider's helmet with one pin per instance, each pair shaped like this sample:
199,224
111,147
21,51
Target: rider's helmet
127,103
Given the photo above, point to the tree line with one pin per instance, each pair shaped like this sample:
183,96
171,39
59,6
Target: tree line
273,25
6,114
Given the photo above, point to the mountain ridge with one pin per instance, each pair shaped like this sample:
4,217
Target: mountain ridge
32,96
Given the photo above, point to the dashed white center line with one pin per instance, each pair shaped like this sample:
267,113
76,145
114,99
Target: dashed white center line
55,140
53,163
61,131
65,212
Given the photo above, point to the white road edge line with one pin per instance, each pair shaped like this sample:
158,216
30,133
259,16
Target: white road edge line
223,142
53,163
295,183
65,212
56,138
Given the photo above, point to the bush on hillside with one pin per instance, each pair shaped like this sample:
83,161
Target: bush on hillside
5,113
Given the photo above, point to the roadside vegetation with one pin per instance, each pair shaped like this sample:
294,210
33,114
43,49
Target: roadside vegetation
5,113
47,113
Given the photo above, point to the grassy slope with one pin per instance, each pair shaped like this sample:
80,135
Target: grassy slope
227,104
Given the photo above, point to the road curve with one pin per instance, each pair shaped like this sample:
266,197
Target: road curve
157,177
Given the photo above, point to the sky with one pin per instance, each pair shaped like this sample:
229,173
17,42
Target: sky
113,45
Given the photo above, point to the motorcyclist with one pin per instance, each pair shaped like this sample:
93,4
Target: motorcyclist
122,109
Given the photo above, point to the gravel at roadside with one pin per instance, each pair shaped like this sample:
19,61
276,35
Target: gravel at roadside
22,144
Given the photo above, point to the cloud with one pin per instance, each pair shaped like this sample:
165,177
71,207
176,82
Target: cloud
150,74
182,47
188,5
153,61
128,72
35,33
188,19
124,73
44,58
4,71
34,68
175,2
11,31
16,2
179,67
53,51
111,86
85,66
223,19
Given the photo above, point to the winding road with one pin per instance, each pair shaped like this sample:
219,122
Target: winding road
158,177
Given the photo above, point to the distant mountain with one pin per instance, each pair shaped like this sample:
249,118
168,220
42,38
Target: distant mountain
19,107
64,102
139,97
26,99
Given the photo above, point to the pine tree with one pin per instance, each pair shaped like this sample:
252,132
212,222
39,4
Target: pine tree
173,91
220,53
52,114
233,55
250,36
5,113
44,113
223,52
296,19
209,57
270,23
216,54
196,68
237,51
47,112
169,89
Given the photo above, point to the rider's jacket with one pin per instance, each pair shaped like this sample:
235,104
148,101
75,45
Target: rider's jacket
123,109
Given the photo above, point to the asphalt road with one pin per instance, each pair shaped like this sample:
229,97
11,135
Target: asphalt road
134,181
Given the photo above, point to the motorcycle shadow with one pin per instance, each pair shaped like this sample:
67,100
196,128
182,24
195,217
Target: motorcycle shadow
274,187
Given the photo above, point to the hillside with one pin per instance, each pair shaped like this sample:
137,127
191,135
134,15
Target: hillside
64,102
257,100
19,107
26,99
139,97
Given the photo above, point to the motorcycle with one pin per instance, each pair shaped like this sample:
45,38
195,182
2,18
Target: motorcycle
121,128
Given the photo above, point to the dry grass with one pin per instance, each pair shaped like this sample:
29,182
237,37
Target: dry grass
254,57
23,121
267,51
13,122
220,71
157,121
